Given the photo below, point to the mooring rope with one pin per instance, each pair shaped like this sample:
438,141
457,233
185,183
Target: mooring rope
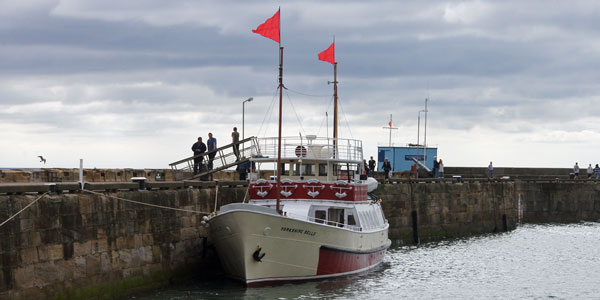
24,208
149,204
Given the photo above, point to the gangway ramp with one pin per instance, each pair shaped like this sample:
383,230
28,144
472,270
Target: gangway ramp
224,158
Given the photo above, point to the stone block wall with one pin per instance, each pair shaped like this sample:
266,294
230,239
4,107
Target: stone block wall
66,243
446,210
560,202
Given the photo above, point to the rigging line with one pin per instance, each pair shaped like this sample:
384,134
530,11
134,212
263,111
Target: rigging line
303,94
345,119
324,119
148,204
268,113
24,208
295,112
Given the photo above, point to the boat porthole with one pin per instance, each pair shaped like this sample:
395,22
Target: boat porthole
227,229
267,231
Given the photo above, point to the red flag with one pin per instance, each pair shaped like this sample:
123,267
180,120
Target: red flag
390,123
270,28
329,54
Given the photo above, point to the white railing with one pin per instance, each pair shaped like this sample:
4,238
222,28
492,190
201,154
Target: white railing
312,147
326,222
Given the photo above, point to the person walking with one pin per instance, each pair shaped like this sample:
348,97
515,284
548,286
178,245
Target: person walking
235,139
590,171
597,172
211,143
490,170
436,167
441,169
576,171
387,168
371,166
198,148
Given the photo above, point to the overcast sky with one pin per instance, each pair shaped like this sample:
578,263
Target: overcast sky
131,84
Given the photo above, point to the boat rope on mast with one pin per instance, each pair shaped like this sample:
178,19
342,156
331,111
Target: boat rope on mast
325,119
24,208
295,112
268,114
148,204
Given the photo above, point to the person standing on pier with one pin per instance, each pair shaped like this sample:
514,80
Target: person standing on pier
597,172
436,167
235,138
371,167
440,169
387,167
212,146
490,170
198,148
590,171
576,171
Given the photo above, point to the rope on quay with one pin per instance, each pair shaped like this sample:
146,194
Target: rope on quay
149,204
24,208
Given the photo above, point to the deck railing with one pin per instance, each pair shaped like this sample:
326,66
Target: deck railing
313,147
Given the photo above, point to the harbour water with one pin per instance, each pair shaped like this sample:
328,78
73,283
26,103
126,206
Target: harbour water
532,262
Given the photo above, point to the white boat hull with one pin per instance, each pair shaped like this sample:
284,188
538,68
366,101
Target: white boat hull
293,249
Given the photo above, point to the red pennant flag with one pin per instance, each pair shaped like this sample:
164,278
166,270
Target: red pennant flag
328,55
270,28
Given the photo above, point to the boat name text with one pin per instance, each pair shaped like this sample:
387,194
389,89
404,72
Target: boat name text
298,230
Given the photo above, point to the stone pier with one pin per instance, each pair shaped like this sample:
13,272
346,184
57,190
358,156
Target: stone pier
80,245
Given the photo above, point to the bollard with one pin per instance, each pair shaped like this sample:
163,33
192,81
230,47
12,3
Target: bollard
141,182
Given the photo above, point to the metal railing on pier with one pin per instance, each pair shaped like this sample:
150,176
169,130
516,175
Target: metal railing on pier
219,159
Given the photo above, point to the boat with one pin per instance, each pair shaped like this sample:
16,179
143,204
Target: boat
311,216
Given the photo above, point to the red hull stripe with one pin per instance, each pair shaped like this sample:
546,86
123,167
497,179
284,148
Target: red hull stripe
334,261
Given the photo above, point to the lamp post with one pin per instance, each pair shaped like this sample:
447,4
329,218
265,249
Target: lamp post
243,111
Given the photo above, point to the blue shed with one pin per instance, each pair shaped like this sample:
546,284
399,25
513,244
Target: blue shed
400,157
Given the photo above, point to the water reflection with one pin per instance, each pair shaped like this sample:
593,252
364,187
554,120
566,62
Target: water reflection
532,262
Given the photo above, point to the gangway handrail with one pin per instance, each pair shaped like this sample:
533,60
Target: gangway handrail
173,164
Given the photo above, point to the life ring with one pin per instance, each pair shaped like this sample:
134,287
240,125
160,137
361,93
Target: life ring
301,151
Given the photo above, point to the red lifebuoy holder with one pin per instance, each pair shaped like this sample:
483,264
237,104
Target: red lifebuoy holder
300,151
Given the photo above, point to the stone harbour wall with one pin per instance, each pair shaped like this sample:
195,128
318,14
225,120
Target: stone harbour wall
560,202
81,245
436,211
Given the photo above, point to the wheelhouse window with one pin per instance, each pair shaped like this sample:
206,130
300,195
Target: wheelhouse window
307,170
336,217
351,220
320,216
322,169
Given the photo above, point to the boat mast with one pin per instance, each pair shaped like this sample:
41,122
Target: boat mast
335,110
279,136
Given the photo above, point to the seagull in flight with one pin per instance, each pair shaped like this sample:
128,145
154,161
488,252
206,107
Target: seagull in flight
42,159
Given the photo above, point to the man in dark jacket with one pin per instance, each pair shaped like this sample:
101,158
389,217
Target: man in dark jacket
436,167
371,166
198,148
387,167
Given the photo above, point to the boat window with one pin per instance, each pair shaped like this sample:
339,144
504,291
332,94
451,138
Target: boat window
282,169
320,216
336,217
322,169
306,170
351,220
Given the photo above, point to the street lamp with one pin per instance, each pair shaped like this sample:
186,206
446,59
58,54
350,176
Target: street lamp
243,111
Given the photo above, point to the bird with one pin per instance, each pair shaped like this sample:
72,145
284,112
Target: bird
42,159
